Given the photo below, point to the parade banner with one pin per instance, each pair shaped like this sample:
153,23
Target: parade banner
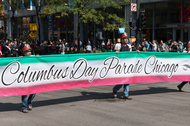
28,75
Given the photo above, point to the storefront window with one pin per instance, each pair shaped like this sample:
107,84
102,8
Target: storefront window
174,12
149,14
63,27
161,15
161,34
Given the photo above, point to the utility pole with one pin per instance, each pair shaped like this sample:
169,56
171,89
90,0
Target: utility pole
138,30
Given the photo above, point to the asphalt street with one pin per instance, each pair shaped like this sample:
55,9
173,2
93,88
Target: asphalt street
153,104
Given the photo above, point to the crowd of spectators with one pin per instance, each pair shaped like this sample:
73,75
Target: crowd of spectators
161,46
13,48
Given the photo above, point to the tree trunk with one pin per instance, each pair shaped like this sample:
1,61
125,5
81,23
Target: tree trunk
38,28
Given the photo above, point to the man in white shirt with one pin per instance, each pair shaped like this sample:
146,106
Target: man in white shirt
154,46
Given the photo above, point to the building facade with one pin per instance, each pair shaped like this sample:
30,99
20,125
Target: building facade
165,19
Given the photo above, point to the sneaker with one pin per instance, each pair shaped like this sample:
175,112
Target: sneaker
126,97
30,107
114,94
24,110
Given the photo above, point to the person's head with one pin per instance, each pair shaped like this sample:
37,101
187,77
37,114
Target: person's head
27,50
118,40
175,43
67,48
94,49
188,47
15,42
180,44
71,48
143,43
76,49
130,40
124,38
8,44
153,41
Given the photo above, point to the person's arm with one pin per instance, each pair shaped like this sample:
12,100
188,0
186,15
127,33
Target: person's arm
151,44
184,49
117,51
163,49
170,48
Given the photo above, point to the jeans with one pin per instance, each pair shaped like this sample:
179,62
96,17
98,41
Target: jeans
184,83
125,89
27,101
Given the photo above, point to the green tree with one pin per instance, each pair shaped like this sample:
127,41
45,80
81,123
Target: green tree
89,11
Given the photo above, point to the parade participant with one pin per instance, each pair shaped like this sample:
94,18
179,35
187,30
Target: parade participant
27,102
124,47
180,86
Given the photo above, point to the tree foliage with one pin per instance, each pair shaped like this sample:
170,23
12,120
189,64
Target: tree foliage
89,11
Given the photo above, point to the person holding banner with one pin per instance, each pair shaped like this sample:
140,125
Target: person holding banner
124,47
27,102
180,86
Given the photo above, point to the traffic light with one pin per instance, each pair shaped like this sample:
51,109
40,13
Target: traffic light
143,20
132,25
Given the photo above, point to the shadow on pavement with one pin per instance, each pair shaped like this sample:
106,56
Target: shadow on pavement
85,96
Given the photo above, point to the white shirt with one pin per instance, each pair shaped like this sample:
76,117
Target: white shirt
154,47
130,46
88,47
117,47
